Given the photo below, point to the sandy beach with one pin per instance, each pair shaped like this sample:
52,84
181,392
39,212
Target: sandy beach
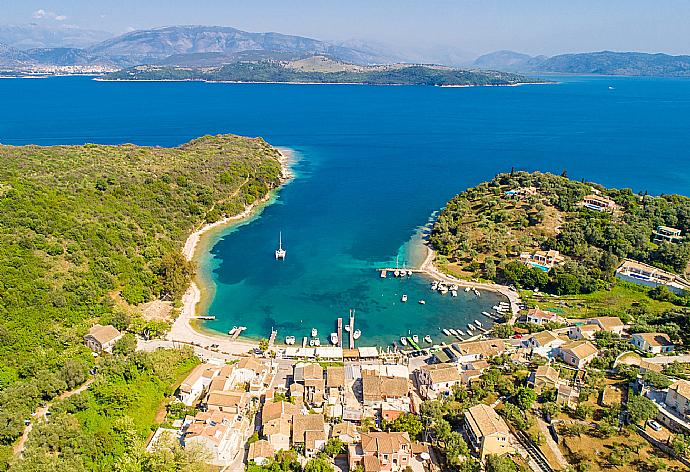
183,331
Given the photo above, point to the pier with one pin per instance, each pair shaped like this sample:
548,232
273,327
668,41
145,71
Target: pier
385,270
272,339
340,332
351,332
202,317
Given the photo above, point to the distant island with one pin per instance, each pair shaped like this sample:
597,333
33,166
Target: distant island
590,63
323,70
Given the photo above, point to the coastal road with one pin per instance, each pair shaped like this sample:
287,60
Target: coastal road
669,359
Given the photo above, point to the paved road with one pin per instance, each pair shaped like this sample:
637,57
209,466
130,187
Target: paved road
202,352
669,359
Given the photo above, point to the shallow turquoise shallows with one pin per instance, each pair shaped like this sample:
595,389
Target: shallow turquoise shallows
375,162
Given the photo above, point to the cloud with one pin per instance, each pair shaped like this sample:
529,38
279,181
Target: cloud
47,14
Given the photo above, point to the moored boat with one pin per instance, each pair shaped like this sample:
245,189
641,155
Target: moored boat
403,340
453,332
334,338
427,339
289,340
404,298
356,334
446,332
454,293
314,332
422,302
415,338
478,323
470,327
461,333
317,342
232,331
467,289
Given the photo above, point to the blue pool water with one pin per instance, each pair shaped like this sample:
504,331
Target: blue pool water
375,162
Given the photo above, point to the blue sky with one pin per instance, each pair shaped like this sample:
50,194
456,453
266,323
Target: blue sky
472,26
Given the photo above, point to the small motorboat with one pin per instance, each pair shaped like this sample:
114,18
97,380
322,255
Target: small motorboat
415,338
403,340
427,339
403,273
383,274
422,302
446,332
356,334
478,323
454,287
454,293
461,333
443,289
312,342
467,289
434,285
347,328
409,272
314,332
476,292
404,298
289,340
396,273
487,314
334,338
453,332
317,342
471,327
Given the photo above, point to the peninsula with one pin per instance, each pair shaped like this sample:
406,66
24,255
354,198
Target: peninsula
322,70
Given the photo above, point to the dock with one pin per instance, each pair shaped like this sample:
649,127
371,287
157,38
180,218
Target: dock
385,270
352,330
340,332
237,333
272,339
203,317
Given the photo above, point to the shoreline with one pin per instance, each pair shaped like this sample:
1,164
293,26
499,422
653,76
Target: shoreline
428,268
185,329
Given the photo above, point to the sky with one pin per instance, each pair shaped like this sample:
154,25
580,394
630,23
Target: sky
470,27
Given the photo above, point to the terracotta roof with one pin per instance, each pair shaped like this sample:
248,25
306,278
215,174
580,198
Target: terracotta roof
589,327
580,349
226,399
251,364
539,313
261,448
609,322
646,365
441,373
547,372
277,426
202,370
655,339
488,348
544,338
103,334
296,389
484,421
345,429
371,464
303,423
384,443
308,371
682,387
375,387
273,410
310,438
335,376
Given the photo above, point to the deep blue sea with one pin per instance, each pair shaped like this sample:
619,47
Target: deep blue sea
374,163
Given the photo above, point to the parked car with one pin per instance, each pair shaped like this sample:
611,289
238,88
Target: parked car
654,425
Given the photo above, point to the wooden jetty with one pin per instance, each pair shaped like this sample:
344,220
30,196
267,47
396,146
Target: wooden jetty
340,332
272,339
203,317
351,332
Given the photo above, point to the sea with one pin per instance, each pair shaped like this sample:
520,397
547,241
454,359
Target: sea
372,164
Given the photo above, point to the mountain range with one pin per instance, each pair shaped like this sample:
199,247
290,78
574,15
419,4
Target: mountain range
597,63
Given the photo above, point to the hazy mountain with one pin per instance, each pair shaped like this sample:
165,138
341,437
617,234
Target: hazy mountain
603,62
33,36
151,46
11,57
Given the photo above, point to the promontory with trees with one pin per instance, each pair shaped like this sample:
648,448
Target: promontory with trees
536,231
86,234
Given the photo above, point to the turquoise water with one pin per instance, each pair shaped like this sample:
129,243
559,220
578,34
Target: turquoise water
375,162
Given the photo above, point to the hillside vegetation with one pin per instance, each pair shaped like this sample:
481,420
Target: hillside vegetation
81,226
338,72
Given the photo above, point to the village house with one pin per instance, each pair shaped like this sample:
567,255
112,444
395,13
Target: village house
385,452
221,434
253,373
102,338
545,377
598,203
376,389
474,350
610,324
194,385
470,371
486,432
310,376
652,343
346,431
583,331
678,398
649,276
276,422
539,317
437,378
577,353
260,452
667,234
311,431
567,395
544,343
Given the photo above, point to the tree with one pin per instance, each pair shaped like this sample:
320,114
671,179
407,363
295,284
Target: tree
455,449
74,372
583,411
496,463
656,379
125,346
333,447
409,423
525,397
641,409
318,464
503,330
263,344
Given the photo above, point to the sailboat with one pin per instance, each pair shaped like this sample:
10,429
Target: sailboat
280,252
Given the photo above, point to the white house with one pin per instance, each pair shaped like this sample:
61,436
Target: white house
196,382
653,343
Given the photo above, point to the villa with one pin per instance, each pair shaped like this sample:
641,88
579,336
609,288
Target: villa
653,343
381,452
221,434
437,378
539,317
598,203
577,353
194,385
643,274
486,432
544,377
543,260
667,234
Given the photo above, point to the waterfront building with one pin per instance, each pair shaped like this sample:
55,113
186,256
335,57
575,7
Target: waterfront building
644,274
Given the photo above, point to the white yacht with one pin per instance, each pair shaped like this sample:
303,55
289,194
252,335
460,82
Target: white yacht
280,252
356,334
403,340
454,293
467,289
453,332
289,340
314,332
470,327
427,339
404,298
415,338
461,333
446,332
317,342
478,323
409,272
334,338
422,302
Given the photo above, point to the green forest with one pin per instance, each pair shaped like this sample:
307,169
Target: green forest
482,231
82,226
275,71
